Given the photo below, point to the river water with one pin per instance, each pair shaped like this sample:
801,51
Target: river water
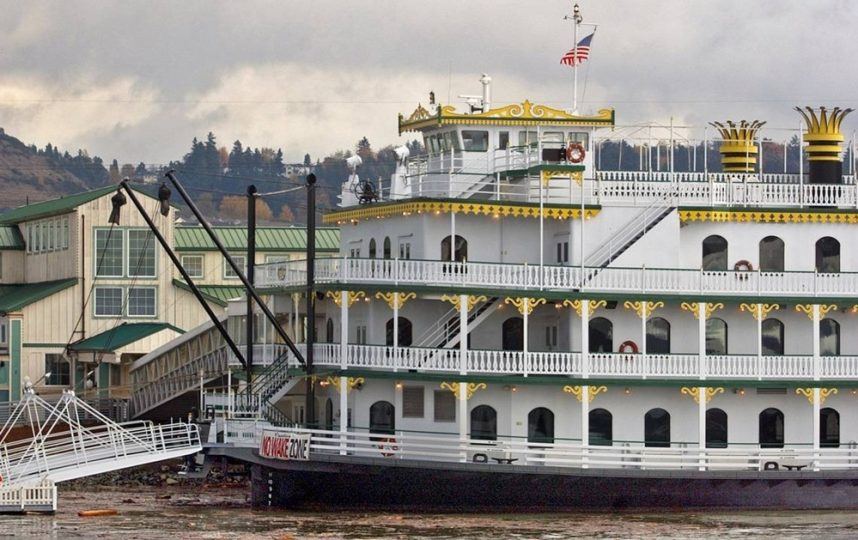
192,513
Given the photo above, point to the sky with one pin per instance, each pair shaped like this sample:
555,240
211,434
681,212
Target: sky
136,80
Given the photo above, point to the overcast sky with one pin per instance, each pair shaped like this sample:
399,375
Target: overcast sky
137,80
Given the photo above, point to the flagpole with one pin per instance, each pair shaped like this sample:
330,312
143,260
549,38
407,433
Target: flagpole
576,20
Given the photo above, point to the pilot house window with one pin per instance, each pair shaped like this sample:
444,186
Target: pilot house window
475,141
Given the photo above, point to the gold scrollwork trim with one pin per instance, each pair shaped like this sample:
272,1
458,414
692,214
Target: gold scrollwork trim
643,309
709,308
524,305
351,383
694,393
759,311
578,392
351,297
470,388
470,302
593,305
394,299
823,393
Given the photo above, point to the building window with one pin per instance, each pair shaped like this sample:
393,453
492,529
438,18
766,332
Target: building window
141,302
372,248
461,251
714,254
360,337
240,261
829,337
475,141
412,402
773,337
386,248
445,406
193,265
716,336
108,301
716,428
513,334
829,428
141,253
382,418
601,335
827,255
771,428
540,426
404,250
551,332
109,249
59,369
601,427
4,337
657,428
404,339
484,423
657,336
771,254
562,252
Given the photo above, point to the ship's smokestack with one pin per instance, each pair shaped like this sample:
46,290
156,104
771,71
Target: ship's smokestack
738,151
824,143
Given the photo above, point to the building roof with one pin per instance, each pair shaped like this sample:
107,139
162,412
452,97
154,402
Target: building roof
219,294
10,237
269,239
15,297
120,336
55,207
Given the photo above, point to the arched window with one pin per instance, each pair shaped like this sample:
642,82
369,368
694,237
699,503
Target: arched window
773,337
716,428
829,428
461,249
829,337
716,336
372,248
657,428
329,331
827,255
404,332
601,335
513,334
657,336
771,254
382,418
601,427
771,428
329,415
540,426
484,423
386,247
714,253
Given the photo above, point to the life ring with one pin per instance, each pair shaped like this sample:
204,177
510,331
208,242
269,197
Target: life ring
387,446
575,152
628,346
743,266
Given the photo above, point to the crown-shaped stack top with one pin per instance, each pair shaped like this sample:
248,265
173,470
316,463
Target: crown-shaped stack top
823,137
738,148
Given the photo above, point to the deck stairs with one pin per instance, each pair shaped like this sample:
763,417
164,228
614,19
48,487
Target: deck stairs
445,333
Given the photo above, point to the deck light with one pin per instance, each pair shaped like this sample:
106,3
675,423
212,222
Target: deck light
627,390
399,386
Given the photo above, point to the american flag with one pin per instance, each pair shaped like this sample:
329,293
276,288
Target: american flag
579,54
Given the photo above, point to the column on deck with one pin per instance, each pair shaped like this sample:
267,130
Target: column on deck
344,383
463,367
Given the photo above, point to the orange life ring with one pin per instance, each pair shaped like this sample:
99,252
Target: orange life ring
575,152
628,346
387,446
743,266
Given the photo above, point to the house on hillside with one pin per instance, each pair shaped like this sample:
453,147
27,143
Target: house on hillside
81,299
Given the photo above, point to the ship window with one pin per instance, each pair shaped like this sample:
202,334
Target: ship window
461,253
445,406
540,426
526,137
580,137
716,336
601,427
829,428
601,335
829,337
827,255
563,252
386,247
714,253
552,137
657,336
771,254
404,332
503,140
412,402
475,141
484,423
513,334
657,428
372,248
773,337
771,428
329,331
716,428
382,418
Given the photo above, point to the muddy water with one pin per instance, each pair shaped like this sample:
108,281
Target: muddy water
192,513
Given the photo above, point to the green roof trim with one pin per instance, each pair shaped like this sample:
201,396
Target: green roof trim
55,207
218,294
15,297
121,336
268,239
11,238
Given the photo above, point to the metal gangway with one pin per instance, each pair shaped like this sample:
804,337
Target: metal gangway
60,446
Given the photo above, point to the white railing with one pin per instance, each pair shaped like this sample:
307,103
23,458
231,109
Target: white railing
519,277
39,497
451,448
625,365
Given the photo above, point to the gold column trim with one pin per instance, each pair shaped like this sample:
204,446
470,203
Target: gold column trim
351,297
470,302
525,304
577,306
759,311
470,388
807,309
642,312
395,299
578,392
351,383
694,393
823,393
709,308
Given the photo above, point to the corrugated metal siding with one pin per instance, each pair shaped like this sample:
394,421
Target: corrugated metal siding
267,238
